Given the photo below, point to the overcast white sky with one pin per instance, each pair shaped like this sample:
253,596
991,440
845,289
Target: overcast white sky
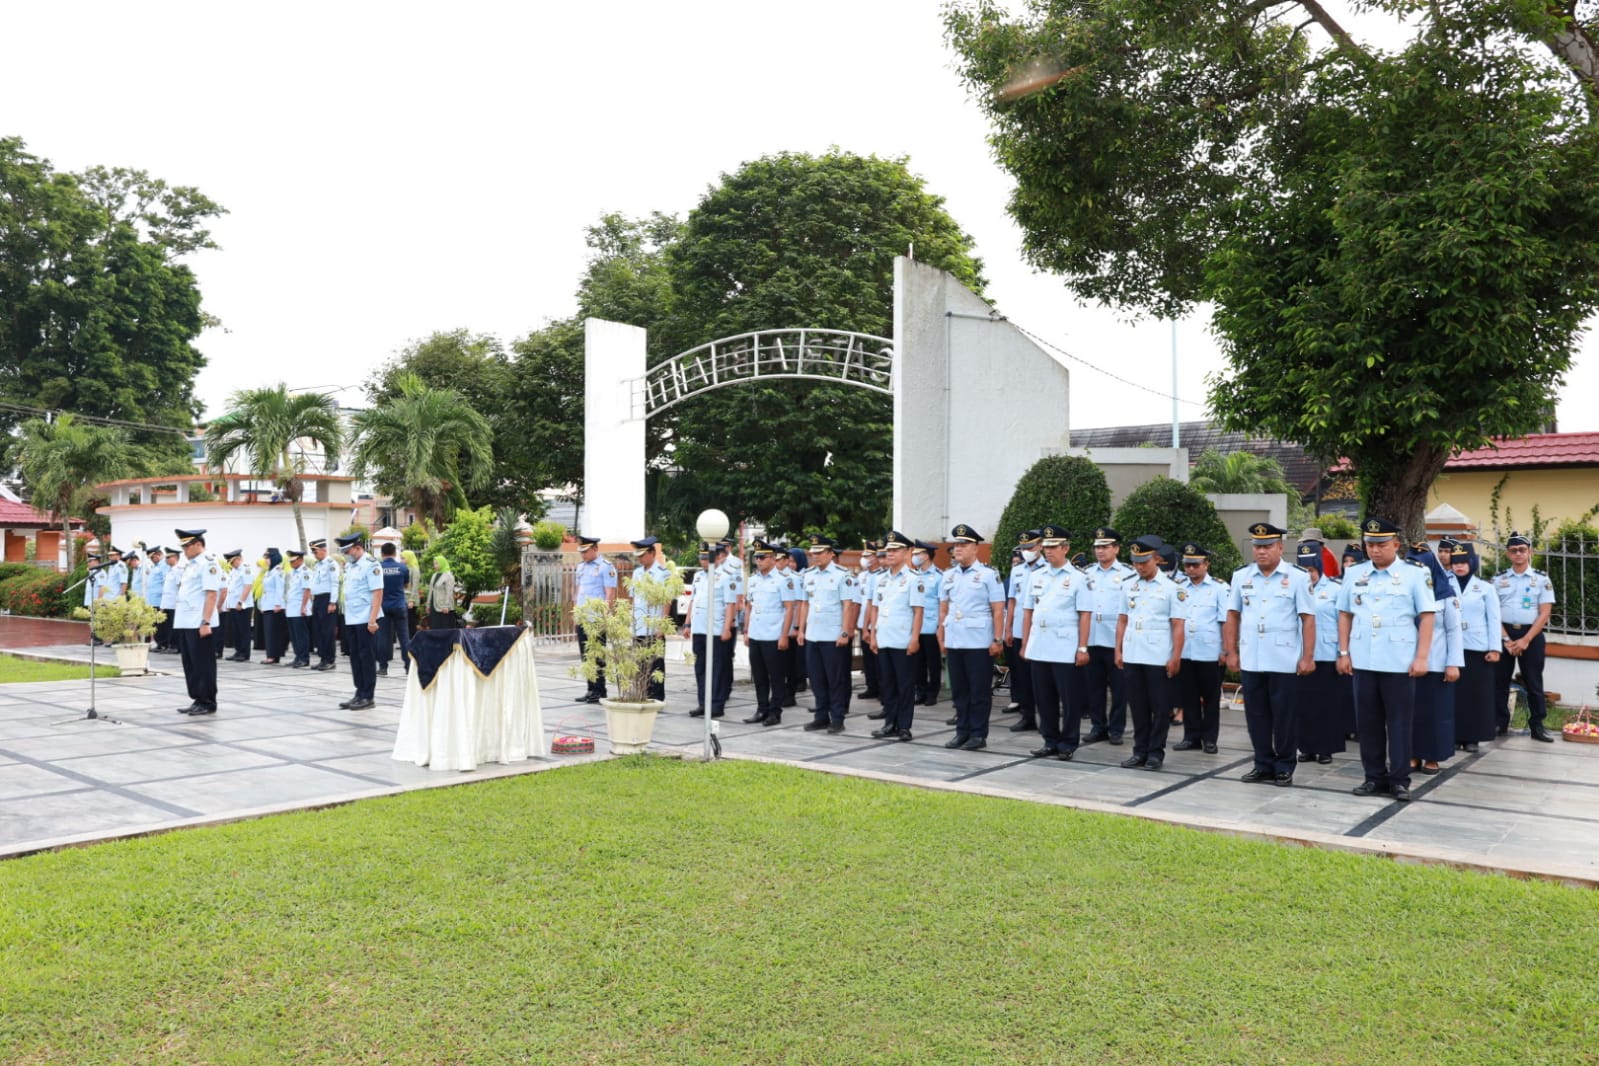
394,169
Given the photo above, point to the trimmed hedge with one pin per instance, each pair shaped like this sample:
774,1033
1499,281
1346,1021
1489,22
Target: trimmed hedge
1177,513
1068,490
39,593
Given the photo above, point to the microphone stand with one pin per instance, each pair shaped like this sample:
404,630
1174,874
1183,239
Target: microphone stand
93,601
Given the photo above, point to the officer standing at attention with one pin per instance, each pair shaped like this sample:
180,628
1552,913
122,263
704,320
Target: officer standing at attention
1386,613
927,675
971,623
1270,637
1204,600
790,563
724,591
194,618
115,585
1105,580
274,596
596,580
169,600
155,579
394,625
899,601
865,587
297,608
137,573
1053,607
1526,599
238,579
827,625
324,580
647,560
770,598
363,604
1025,563
1149,647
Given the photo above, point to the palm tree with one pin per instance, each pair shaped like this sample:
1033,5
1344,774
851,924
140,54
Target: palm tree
63,460
424,448
271,427
1239,472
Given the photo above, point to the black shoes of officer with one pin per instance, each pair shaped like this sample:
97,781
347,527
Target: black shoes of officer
836,728
1096,736
191,708
1154,764
1306,756
1132,761
772,719
323,666
974,744
755,719
1026,725
1210,748
1258,775
589,697
1538,732
1401,794
1371,788
868,694
885,732
202,708
955,741
953,720
904,736
810,727
383,669
1283,780
1502,731
297,665
357,705
1185,745
878,715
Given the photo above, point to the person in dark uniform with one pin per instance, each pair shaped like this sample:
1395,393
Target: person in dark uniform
394,624
195,619
865,580
1054,604
363,604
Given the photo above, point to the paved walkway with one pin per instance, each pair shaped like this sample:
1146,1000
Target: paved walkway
280,743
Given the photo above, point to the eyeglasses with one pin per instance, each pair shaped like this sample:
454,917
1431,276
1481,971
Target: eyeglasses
1519,548
1186,565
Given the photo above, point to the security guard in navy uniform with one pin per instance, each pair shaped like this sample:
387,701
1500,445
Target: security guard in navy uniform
595,580
971,626
1526,600
195,620
363,606
1105,580
1386,613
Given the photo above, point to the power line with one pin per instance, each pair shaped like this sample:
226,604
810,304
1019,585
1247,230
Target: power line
119,423
1099,369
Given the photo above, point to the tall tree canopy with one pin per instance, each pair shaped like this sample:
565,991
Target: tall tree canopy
1399,244
271,429
63,460
97,314
425,448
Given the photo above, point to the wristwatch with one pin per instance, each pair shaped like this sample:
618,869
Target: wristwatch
1342,652
1082,649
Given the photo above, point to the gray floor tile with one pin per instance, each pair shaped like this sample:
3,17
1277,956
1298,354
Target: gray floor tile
165,763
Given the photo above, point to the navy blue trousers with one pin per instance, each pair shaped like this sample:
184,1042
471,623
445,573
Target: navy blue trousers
971,688
1022,687
1531,663
1269,699
300,638
363,659
322,627
828,667
768,671
724,673
1149,698
895,670
1200,684
199,665
1057,698
1385,709
1102,673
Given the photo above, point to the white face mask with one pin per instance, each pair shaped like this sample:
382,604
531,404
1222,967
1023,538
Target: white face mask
1029,554
918,560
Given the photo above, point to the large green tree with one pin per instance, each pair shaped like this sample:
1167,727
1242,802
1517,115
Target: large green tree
273,430
796,240
62,460
1399,244
426,448
97,314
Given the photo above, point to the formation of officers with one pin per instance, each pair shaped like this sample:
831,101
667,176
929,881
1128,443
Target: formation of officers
305,607
1409,653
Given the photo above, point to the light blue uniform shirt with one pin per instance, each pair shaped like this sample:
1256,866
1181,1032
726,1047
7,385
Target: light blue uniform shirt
169,585
970,593
1204,613
660,573
827,589
324,576
1385,607
1150,607
1021,579
1269,610
1448,640
896,597
299,580
136,579
1056,598
768,596
113,581
1520,595
363,579
726,590
155,579
1105,589
241,594
593,578
1325,597
866,585
933,578
272,590
202,574
1479,616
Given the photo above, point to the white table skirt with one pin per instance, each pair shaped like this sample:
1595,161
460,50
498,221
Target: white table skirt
464,719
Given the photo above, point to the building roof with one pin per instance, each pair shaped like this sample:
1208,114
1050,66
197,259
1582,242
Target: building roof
22,515
1535,449
1299,469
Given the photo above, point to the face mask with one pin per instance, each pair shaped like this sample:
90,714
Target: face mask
918,560
1029,555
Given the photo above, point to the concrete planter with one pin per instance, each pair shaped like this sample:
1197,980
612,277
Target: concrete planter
132,658
630,725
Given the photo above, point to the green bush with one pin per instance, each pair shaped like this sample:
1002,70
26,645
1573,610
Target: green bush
1068,490
39,593
415,537
1574,569
1336,527
548,535
11,570
1178,513
488,614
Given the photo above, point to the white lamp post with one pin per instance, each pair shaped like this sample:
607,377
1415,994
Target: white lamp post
711,526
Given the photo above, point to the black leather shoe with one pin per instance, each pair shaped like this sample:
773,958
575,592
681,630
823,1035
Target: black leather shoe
1026,725
755,719
955,742
1306,756
383,670
698,712
1401,794
1114,740
716,712
1369,788
1283,780
904,736
322,666
869,694
1470,749
1323,760
347,704
1154,764
1541,734
298,666
1502,731
884,731
974,744
772,719
1132,761
1066,754
208,709
1210,749
813,727
190,709
953,720
1095,736
930,701
1046,752
790,703
1257,775
361,705
1185,745
877,716
836,728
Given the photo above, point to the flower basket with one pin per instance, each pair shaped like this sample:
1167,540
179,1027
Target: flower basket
1581,729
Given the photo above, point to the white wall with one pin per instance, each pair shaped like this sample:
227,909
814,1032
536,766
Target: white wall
613,440
251,527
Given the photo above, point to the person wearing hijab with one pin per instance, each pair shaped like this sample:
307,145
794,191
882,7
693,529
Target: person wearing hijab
441,597
413,590
271,591
1433,730
1480,632
1327,715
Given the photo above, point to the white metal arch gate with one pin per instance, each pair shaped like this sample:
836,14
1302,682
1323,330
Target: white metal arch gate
1012,410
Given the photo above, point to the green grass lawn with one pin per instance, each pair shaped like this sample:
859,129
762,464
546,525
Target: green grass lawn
13,668
647,910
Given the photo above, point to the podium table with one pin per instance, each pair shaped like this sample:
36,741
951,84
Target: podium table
472,698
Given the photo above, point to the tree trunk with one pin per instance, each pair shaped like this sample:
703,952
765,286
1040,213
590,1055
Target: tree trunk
1401,495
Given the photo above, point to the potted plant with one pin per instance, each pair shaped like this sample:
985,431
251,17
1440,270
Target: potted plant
629,662
126,625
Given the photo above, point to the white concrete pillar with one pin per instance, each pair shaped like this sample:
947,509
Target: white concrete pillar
613,439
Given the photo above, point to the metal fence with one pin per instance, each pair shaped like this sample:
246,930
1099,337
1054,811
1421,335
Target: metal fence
549,584
1571,562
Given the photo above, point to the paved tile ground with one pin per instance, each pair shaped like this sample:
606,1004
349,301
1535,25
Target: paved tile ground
280,742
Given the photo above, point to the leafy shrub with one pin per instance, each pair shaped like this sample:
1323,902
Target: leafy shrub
1178,513
38,593
1574,569
415,537
488,614
548,535
1336,527
11,570
1068,490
